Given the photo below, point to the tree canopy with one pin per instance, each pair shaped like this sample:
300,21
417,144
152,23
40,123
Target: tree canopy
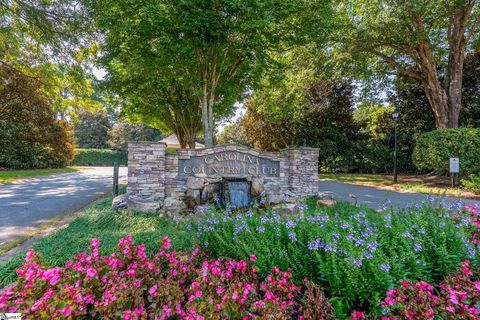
426,41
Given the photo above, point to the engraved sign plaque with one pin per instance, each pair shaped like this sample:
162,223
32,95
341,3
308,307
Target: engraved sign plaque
229,164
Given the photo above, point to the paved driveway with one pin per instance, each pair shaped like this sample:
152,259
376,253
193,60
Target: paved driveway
25,204
373,197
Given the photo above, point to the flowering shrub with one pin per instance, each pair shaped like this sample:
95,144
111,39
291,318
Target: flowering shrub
129,285
458,298
474,211
355,254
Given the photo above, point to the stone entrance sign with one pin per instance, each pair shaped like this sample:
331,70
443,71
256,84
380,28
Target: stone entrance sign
229,164
174,182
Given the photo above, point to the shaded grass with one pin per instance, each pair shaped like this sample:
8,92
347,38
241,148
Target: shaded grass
386,182
100,221
12,175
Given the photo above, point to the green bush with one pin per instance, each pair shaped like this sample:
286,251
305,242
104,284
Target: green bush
99,157
434,149
24,146
355,254
472,183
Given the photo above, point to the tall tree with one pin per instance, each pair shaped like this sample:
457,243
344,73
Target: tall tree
209,47
91,128
417,39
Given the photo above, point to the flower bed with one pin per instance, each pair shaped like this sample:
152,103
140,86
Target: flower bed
355,255
129,285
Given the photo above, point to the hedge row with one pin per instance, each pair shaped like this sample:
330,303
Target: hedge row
434,149
99,157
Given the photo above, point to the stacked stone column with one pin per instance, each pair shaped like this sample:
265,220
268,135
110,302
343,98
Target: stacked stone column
303,171
146,175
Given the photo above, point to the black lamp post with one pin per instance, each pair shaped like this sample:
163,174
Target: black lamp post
395,117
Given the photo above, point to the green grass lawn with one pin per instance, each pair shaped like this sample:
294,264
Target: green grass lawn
12,175
386,182
100,221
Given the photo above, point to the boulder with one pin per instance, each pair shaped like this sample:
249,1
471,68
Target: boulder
271,186
274,197
290,197
173,205
326,196
192,198
210,191
195,183
257,185
120,202
143,204
287,209
326,203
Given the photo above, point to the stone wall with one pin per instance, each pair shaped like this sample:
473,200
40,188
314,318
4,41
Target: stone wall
166,181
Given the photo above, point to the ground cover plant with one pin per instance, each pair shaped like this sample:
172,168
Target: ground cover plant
355,255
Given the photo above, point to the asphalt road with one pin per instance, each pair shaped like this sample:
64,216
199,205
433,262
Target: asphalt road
27,203
375,198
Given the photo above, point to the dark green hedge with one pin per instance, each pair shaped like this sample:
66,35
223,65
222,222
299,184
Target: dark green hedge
99,157
434,149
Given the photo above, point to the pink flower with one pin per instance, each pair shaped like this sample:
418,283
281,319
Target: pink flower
453,298
389,301
94,243
235,295
253,258
153,290
358,315
465,269
67,311
91,272
30,254
198,294
450,309
477,285
220,290
270,296
166,243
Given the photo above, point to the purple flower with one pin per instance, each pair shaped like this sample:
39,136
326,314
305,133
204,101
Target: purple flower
407,234
290,224
417,247
261,229
372,246
249,213
312,246
357,263
367,255
292,236
385,267
344,225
